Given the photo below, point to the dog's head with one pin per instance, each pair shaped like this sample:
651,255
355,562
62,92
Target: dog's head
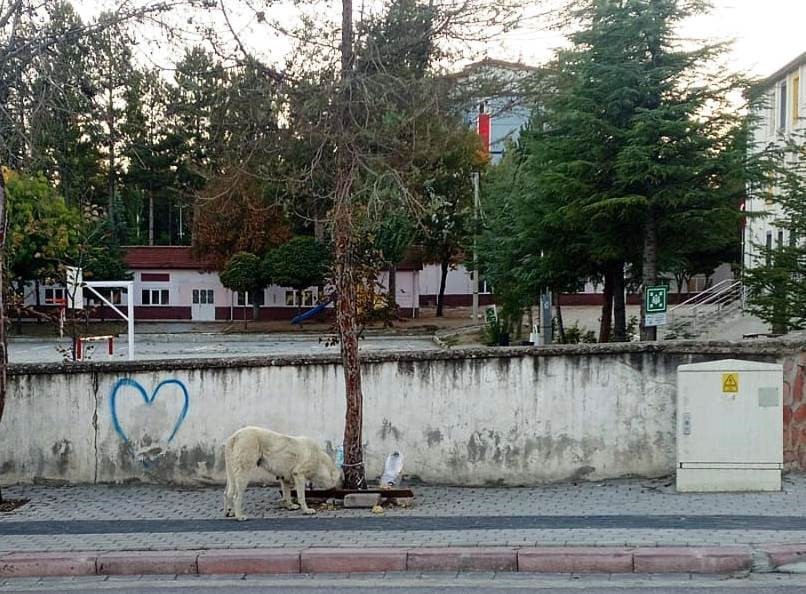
329,475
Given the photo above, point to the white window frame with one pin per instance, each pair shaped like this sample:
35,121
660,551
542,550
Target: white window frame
115,296
243,299
56,293
160,293
209,297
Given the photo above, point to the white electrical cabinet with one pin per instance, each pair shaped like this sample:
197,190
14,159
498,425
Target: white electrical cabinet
729,426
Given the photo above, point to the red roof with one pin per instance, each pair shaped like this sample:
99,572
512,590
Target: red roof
149,257
162,256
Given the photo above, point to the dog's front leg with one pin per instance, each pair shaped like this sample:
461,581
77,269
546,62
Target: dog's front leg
299,485
286,501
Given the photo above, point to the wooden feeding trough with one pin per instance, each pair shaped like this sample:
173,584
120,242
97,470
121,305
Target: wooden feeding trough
325,494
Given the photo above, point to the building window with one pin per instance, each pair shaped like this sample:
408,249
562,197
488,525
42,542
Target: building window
203,297
769,248
243,299
290,297
115,296
780,238
795,99
53,296
155,297
308,298
782,106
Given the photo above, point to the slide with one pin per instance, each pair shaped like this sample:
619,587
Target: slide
312,312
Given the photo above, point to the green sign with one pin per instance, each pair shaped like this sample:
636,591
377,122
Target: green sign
491,315
656,300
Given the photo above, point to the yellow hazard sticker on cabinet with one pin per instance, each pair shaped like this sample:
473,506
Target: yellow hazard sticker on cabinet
730,383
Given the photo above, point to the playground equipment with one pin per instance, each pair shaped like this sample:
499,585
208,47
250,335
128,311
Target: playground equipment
80,342
75,299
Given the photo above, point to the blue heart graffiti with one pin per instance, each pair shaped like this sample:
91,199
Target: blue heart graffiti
148,400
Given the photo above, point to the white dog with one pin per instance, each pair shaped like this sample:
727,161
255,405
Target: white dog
290,459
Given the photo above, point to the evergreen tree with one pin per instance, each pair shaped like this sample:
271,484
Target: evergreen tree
776,281
634,142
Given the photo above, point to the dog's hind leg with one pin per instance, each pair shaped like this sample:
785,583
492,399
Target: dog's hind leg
286,501
228,512
299,485
240,483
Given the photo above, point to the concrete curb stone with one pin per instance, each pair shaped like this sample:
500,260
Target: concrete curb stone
148,562
692,559
547,559
47,564
576,559
356,560
253,561
785,554
462,559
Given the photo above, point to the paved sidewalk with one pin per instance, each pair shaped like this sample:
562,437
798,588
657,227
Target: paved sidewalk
614,513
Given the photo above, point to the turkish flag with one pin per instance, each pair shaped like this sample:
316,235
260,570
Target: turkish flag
484,130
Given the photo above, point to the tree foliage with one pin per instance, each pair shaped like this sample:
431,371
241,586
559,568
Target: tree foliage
776,279
631,157
42,229
299,263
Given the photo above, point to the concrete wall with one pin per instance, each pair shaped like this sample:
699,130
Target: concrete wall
510,416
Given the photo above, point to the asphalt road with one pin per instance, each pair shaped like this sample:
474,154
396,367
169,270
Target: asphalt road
184,346
420,584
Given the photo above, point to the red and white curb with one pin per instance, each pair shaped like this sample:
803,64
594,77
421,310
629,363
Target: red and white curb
727,559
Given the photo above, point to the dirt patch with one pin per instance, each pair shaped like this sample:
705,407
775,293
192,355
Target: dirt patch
9,505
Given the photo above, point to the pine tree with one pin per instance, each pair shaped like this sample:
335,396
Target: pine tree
633,142
776,281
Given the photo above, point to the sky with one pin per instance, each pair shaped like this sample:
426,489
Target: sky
767,34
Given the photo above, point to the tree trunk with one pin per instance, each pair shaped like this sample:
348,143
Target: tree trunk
150,218
650,269
3,343
443,278
255,307
606,323
619,304
347,323
343,270
243,311
560,324
392,289
20,295
38,300
110,115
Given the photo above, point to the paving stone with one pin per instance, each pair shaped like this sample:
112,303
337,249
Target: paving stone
362,500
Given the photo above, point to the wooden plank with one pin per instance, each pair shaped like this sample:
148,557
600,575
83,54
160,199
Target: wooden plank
340,493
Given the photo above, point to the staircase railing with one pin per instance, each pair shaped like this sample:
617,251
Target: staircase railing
703,308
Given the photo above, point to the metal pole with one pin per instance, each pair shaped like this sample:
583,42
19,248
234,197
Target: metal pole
475,281
545,316
130,312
